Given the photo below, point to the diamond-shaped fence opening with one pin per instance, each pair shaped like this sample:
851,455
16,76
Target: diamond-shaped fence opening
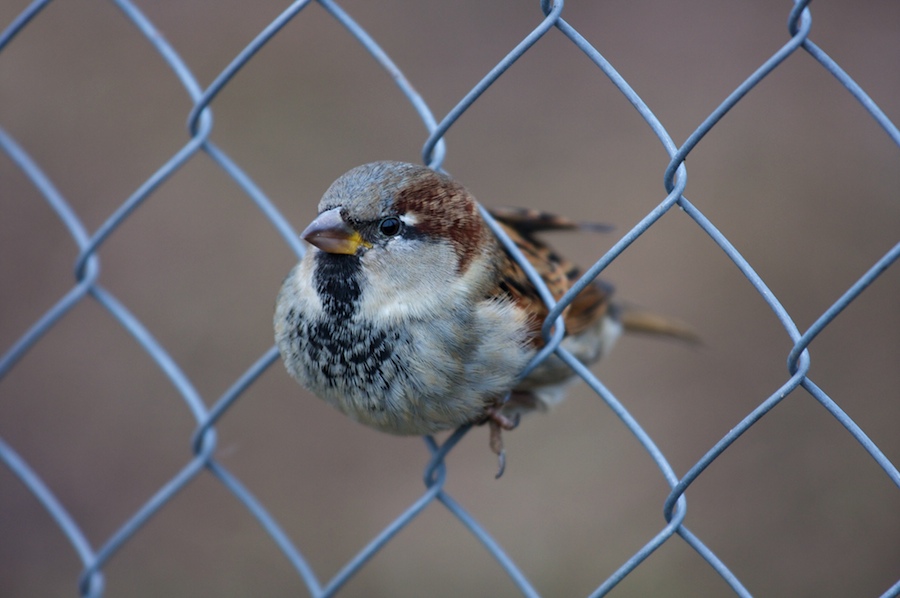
154,446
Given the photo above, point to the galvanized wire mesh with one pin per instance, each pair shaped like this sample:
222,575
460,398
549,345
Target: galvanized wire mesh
89,287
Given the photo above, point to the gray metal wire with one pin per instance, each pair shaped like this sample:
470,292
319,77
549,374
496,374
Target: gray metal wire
88,287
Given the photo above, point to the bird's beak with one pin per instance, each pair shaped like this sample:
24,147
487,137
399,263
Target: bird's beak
330,233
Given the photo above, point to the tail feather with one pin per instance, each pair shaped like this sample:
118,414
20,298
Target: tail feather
636,319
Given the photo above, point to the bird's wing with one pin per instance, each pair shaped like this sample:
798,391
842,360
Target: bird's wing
557,272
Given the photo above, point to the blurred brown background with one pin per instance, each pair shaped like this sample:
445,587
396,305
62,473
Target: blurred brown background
798,176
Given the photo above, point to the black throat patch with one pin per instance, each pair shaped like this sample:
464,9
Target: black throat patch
337,279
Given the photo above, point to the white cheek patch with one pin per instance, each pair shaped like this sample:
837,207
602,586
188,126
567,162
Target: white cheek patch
411,279
302,285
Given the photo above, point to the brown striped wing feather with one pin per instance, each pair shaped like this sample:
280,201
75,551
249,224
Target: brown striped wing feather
557,272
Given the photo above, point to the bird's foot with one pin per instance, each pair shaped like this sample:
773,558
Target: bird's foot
499,422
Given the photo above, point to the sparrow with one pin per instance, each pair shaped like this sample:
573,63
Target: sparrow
409,316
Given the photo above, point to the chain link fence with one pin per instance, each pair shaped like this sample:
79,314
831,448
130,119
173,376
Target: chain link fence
95,300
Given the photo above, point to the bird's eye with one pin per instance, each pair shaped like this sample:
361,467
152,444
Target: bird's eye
390,226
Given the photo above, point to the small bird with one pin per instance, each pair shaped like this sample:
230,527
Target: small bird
408,315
